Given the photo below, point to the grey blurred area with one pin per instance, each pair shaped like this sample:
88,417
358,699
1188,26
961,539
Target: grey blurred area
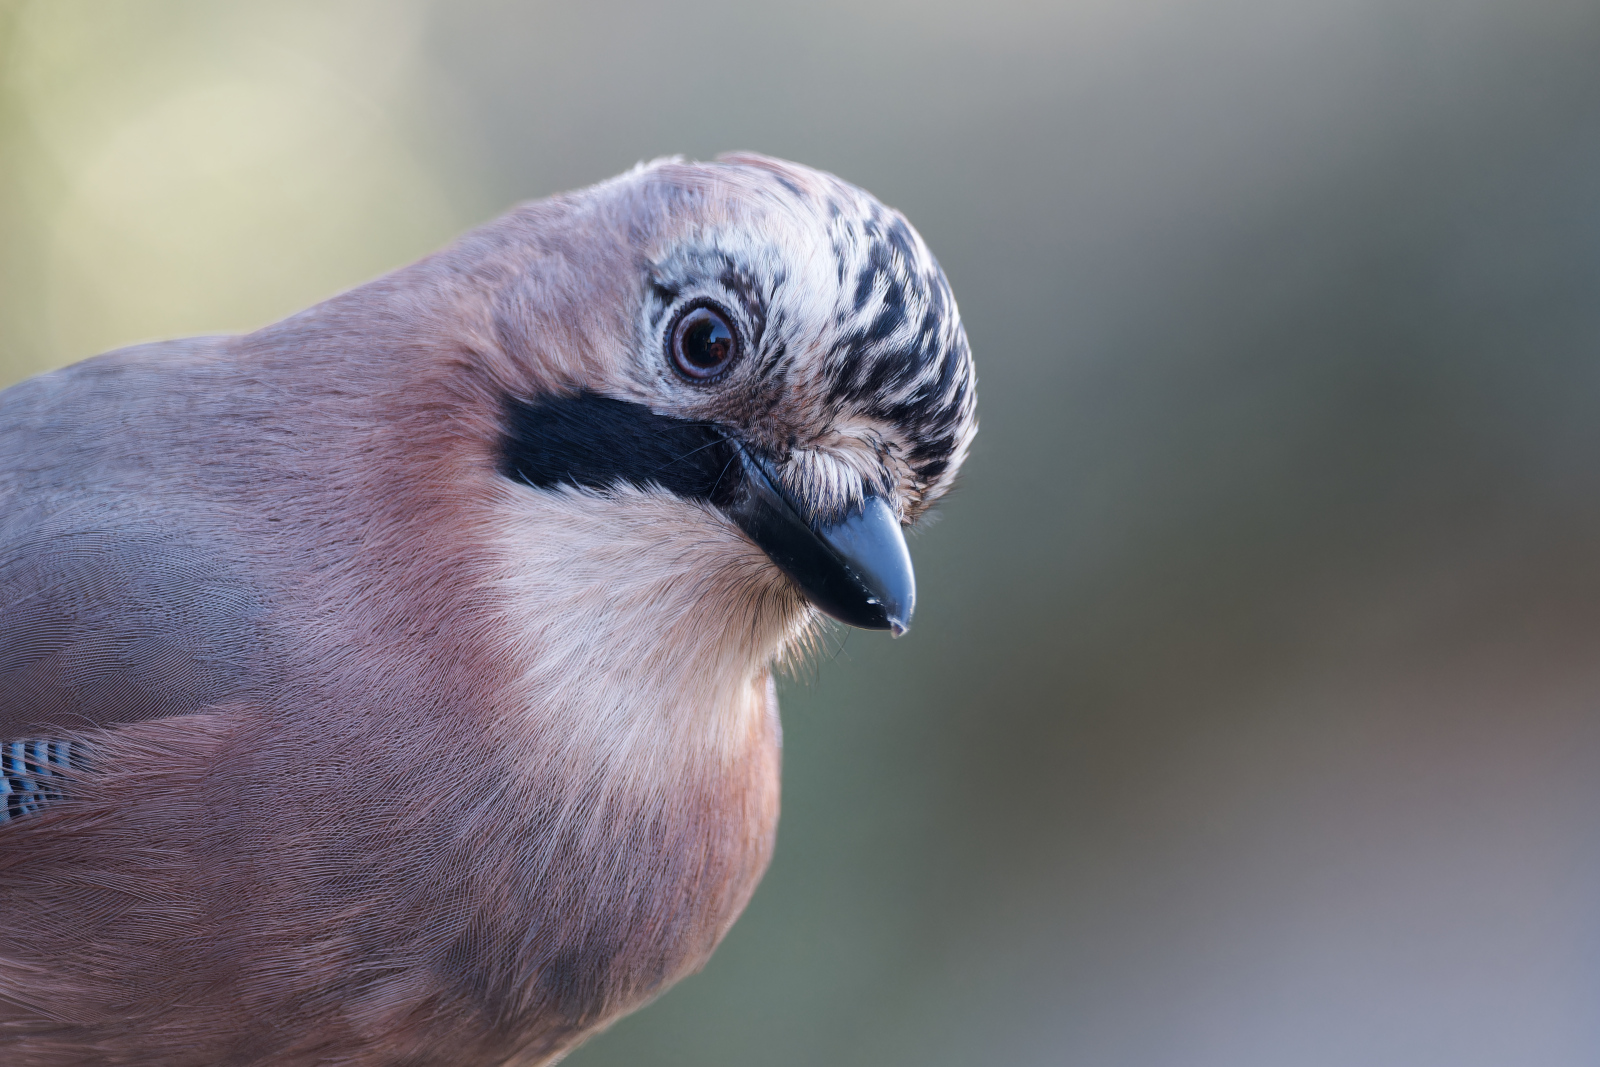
1251,715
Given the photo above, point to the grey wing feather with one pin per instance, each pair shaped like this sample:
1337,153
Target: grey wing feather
115,604
103,624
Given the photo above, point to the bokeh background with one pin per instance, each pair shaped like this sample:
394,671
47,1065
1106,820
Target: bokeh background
1252,711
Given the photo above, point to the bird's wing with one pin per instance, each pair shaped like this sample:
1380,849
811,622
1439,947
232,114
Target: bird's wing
107,620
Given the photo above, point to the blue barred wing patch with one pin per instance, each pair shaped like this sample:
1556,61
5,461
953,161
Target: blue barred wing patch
35,773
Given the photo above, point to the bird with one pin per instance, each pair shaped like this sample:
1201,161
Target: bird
393,684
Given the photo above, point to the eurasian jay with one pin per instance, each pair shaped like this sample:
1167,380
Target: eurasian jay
393,685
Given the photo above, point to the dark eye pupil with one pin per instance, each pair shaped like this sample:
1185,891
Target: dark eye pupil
704,343
707,341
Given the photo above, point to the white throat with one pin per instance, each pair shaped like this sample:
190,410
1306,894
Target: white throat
639,624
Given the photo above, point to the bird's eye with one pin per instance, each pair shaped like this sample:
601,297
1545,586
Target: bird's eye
703,345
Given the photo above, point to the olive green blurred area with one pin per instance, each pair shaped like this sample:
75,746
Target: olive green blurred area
1251,715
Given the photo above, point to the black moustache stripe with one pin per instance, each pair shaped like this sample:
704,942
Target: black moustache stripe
595,442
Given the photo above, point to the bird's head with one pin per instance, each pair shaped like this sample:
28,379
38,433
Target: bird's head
752,337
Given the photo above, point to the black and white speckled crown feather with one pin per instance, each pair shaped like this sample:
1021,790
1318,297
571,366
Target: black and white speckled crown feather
857,374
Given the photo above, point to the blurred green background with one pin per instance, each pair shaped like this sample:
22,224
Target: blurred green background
1252,711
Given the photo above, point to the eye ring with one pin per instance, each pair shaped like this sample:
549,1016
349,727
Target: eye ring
702,343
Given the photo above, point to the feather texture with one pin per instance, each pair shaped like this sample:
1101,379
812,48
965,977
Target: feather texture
33,773
397,758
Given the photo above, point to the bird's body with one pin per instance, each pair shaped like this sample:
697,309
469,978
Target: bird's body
417,678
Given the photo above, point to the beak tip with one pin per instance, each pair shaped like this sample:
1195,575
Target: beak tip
855,569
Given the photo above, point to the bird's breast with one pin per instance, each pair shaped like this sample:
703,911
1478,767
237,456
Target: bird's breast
633,744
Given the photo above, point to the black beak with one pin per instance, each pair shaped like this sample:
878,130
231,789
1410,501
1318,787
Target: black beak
856,569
